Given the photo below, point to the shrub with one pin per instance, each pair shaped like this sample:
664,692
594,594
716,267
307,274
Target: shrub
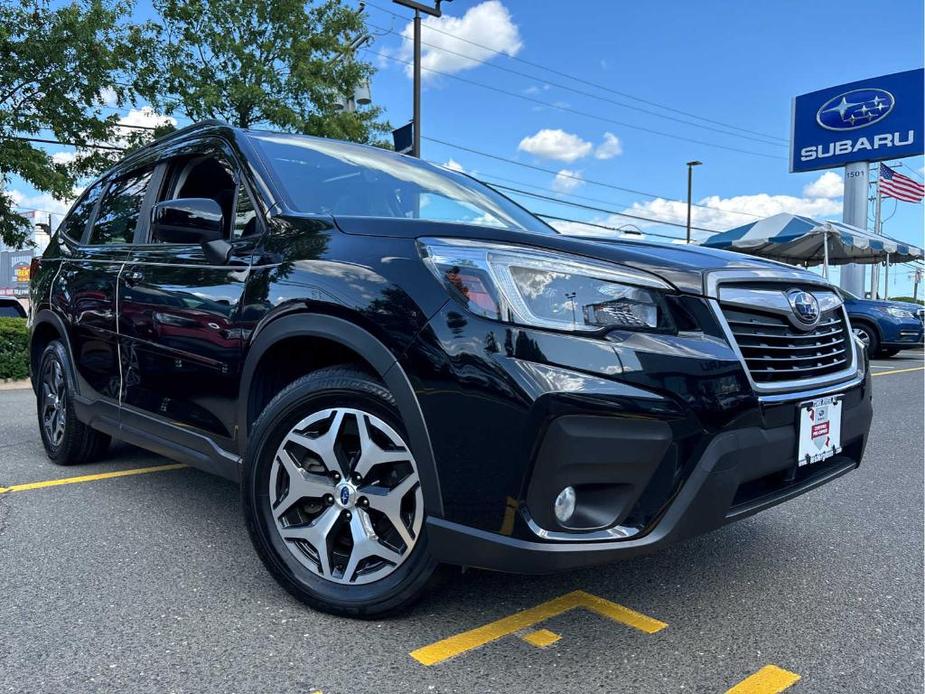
14,348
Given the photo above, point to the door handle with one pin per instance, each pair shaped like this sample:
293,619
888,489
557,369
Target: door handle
134,276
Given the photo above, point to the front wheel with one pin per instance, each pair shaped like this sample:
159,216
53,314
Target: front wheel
869,337
332,497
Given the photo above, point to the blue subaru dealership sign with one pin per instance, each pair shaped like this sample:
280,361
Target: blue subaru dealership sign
869,120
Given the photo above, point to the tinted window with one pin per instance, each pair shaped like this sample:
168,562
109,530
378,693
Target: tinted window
10,311
205,177
337,178
118,215
76,221
245,216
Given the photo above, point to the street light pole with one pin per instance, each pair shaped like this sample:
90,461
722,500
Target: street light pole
690,179
435,11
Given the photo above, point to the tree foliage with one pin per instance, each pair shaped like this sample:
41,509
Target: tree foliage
281,64
56,63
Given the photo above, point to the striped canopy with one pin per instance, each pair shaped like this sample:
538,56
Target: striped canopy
798,240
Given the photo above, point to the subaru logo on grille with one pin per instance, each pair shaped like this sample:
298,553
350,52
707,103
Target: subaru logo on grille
344,495
855,109
805,306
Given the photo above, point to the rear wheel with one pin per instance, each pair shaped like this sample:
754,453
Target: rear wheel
332,496
67,440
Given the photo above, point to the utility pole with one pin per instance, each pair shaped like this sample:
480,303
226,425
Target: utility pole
917,277
690,179
435,11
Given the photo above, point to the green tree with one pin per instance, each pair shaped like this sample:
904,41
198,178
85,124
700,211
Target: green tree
282,64
55,66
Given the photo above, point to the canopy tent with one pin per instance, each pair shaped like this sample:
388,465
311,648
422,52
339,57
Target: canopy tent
799,240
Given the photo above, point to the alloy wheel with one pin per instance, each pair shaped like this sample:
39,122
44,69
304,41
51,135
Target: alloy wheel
345,496
863,336
54,410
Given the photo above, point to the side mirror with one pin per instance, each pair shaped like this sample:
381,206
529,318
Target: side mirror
187,220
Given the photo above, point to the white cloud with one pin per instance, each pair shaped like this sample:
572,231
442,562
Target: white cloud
556,144
108,97
536,89
609,148
828,185
567,180
42,204
454,165
488,24
63,157
723,213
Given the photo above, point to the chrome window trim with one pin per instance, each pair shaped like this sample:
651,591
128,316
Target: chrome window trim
839,378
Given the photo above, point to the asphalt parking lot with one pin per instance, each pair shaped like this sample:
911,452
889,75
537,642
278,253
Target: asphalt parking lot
147,582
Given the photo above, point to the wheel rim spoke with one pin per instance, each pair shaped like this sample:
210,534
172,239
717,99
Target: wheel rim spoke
388,503
366,545
316,534
371,512
302,484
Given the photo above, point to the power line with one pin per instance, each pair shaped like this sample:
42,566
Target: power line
567,109
41,140
559,85
581,80
578,178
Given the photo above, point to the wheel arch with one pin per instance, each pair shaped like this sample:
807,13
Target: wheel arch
47,326
355,342
868,322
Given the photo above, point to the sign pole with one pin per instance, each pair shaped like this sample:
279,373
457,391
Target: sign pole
854,212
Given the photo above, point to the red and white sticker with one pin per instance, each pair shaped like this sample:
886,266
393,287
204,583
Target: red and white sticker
819,430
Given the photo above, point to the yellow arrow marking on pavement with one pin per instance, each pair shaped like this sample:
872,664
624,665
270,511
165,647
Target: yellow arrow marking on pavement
89,478
468,640
898,371
768,680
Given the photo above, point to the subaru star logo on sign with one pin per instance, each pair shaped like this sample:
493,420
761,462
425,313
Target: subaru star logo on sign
855,109
805,306
870,120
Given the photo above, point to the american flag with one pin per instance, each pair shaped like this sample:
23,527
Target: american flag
895,185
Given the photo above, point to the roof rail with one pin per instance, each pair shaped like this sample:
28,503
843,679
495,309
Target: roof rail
198,125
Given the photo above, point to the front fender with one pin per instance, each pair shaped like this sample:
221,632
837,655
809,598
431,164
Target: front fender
384,363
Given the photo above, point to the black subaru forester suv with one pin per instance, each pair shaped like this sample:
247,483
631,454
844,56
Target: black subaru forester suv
402,367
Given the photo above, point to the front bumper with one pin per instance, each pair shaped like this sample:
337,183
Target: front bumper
740,472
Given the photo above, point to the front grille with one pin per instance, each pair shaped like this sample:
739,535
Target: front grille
775,351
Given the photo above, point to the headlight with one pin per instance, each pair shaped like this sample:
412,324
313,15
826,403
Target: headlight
550,290
899,312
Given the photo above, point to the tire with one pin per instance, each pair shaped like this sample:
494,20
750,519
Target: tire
67,440
869,337
891,352
370,568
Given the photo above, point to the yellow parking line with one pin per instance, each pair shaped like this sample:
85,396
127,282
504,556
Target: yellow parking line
541,638
89,478
899,371
768,680
466,641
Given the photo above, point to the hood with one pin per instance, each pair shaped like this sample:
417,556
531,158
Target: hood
885,303
687,268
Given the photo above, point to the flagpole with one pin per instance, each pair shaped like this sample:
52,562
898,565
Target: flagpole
875,269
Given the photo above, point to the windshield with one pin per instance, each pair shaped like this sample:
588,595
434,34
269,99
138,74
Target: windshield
337,178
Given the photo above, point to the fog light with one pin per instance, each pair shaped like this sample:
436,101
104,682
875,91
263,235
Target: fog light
565,504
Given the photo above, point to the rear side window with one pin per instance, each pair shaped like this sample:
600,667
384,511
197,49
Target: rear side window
118,215
75,223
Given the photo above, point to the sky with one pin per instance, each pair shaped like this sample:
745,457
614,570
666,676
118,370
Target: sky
601,103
